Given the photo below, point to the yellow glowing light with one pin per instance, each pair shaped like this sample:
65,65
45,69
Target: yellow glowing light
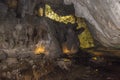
68,51
86,40
94,58
40,50
52,15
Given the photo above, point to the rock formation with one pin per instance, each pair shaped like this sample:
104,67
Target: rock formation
104,17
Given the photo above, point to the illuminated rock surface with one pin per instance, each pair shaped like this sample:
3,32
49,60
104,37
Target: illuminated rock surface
104,17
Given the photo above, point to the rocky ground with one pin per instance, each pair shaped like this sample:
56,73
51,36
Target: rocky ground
80,66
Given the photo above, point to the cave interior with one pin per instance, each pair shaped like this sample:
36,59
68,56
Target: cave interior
45,40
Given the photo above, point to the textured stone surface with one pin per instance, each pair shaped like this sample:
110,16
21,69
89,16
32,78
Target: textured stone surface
3,56
22,35
104,17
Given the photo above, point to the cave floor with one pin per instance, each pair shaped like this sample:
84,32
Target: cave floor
84,73
81,66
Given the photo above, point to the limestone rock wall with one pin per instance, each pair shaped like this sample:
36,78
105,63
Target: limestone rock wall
104,16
